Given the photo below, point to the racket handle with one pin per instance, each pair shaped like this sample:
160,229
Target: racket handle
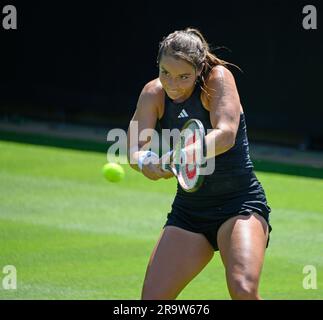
166,167
169,157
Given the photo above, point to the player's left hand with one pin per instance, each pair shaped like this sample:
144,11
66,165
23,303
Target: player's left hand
165,159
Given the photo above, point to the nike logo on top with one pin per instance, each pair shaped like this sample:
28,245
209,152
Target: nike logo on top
183,114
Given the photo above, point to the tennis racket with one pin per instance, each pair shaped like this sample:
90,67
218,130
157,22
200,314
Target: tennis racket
185,162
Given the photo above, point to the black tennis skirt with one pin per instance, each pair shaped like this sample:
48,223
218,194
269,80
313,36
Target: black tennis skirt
217,200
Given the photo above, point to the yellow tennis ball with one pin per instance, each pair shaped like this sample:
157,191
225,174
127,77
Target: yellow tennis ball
113,172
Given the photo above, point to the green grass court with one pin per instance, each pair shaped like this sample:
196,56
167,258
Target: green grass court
72,235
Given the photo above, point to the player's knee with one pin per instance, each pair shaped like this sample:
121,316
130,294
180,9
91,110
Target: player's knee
244,289
150,292
153,295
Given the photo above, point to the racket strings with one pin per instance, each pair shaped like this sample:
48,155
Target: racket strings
191,143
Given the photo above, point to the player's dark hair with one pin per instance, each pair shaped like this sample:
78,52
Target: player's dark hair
191,46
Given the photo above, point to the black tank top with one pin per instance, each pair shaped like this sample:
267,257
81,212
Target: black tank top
233,162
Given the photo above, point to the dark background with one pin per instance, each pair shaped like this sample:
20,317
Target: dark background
86,62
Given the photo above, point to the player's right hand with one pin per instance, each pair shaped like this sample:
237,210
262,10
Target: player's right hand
155,172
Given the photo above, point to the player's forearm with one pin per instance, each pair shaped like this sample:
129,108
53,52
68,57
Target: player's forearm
133,158
218,141
134,151
137,157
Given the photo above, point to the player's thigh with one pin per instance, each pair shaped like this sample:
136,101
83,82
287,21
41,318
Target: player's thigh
242,243
176,259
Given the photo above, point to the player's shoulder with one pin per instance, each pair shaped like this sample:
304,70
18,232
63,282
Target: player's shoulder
153,89
152,95
220,73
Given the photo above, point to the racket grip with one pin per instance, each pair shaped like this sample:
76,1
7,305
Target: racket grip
166,166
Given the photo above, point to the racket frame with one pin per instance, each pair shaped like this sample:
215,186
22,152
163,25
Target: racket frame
174,168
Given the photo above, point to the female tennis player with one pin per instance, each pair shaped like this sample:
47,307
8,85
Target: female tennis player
229,212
